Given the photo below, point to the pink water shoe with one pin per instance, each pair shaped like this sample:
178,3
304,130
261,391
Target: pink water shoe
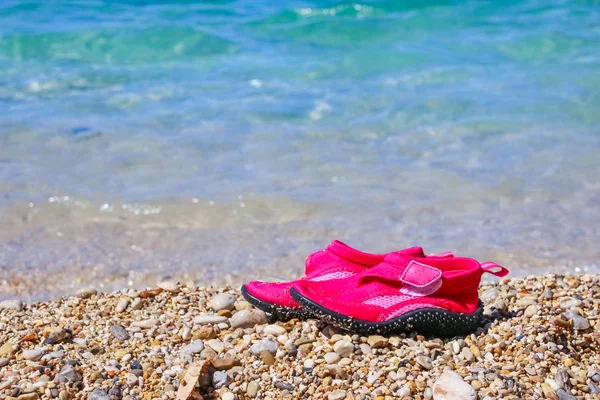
404,293
337,261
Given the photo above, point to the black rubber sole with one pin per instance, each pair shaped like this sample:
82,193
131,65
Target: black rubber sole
277,312
428,321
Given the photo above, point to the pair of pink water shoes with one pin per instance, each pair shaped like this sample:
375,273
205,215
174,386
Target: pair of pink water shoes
389,293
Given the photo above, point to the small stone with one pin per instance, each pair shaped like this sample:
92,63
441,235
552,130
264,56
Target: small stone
169,286
7,349
564,395
332,358
531,310
579,323
64,395
98,394
424,362
120,353
376,341
145,324
562,378
451,386
119,333
193,348
274,330
122,304
337,395
4,362
365,348
206,332
33,355
29,396
216,345
252,389
220,379
547,294
228,396
248,318
225,364
86,293
267,357
569,302
69,373
490,295
267,344
281,385
548,391
209,319
343,348
222,301
467,354
11,305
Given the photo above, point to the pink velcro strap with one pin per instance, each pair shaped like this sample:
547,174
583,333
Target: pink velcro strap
494,269
420,279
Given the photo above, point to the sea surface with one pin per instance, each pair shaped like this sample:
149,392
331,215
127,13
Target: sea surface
219,141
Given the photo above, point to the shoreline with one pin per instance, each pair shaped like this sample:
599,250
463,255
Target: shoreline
540,341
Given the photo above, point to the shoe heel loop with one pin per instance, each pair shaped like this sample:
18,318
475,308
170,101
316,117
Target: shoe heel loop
494,269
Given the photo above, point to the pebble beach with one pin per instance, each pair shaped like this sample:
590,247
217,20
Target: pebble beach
539,340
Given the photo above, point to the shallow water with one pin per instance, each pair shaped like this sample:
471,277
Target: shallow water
224,140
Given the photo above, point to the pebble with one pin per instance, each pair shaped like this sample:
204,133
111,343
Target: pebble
220,379
11,305
145,324
4,361
86,293
337,395
579,323
248,318
216,345
98,394
169,286
377,342
424,362
267,357
119,333
274,330
490,295
365,348
7,349
343,348
228,396
266,344
226,363
193,348
209,319
122,304
563,395
33,355
252,389
332,358
531,310
70,374
451,386
222,301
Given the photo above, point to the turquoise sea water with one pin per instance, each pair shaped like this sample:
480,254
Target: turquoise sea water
144,139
